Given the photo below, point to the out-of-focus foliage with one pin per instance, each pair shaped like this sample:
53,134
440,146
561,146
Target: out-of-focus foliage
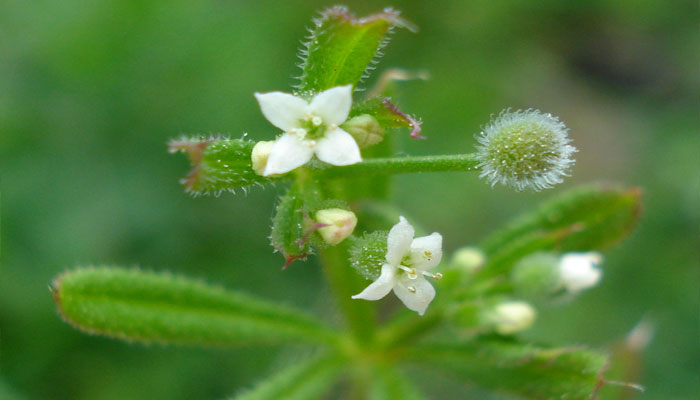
91,92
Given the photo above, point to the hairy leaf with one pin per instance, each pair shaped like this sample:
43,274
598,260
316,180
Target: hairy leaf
218,165
149,307
308,379
341,48
523,369
387,114
292,225
586,218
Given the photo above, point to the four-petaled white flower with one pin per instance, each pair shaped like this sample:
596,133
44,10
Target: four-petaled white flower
407,262
309,128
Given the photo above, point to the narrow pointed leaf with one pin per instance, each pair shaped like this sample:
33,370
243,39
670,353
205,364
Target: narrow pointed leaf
587,218
218,165
527,370
150,307
341,48
308,379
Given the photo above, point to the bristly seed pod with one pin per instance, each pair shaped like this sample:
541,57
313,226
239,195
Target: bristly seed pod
525,149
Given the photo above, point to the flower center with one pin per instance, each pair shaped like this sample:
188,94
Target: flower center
314,126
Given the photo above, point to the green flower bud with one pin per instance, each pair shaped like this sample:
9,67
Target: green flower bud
365,129
536,276
368,254
525,149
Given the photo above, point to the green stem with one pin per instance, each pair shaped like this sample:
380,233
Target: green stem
359,314
399,165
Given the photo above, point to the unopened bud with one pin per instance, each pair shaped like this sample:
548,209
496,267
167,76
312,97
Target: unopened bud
536,276
468,259
525,149
579,271
339,224
365,129
260,154
512,316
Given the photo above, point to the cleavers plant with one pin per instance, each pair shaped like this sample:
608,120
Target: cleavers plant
334,155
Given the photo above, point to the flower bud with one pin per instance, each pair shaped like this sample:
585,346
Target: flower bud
365,129
536,276
525,149
339,224
512,316
468,259
578,271
260,154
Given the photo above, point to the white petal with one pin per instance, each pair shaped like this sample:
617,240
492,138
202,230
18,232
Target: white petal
288,153
578,271
381,287
283,110
333,105
398,242
426,251
417,299
338,147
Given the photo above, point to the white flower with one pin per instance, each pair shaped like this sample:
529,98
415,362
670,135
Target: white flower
407,262
579,271
513,316
309,128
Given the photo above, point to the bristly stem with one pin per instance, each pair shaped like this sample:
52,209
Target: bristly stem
399,165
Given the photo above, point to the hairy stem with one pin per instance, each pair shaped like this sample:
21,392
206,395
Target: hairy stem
399,165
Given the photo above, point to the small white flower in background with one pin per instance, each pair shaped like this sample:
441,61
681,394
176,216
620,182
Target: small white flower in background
407,263
512,316
309,128
579,271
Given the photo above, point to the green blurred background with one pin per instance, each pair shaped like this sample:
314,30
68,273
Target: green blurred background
90,92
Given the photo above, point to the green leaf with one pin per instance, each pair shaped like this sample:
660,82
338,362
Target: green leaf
309,379
388,383
583,219
218,165
292,225
150,307
387,114
527,370
341,48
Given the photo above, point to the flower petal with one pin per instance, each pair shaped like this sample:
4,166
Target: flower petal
338,148
283,110
398,242
426,251
332,105
381,287
418,299
288,153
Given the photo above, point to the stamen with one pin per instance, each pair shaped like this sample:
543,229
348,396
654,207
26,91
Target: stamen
428,254
437,276
411,289
412,273
316,121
